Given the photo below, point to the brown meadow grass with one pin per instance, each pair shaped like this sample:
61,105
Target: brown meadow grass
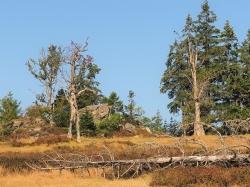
13,155
213,177
174,177
210,141
67,179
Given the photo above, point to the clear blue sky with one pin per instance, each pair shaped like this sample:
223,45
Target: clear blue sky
129,40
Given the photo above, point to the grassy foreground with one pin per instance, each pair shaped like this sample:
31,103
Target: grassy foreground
66,179
210,141
119,146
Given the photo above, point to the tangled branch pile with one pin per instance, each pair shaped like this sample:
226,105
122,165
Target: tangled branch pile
166,156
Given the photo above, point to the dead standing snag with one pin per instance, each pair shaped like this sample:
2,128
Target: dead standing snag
76,62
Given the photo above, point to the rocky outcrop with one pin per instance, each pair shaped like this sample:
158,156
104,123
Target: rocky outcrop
129,129
31,127
27,122
98,111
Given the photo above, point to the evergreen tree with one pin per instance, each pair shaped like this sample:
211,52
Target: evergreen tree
133,111
9,109
192,65
176,79
114,101
244,81
61,114
206,34
157,123
225,86
207,39
86,78
131,104
87,125
173,128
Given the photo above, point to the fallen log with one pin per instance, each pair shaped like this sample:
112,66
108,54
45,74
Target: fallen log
57,164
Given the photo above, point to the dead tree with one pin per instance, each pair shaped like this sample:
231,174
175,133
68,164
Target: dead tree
76,62
163,158
236,126
197,89
46,71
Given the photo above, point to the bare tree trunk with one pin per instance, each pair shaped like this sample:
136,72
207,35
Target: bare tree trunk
74,114
76,62
70,127
76,117
78,133
49,104
49,96
71,99
72,119
198,128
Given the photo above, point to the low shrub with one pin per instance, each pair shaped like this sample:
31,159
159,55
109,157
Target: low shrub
214,176
38,111
87,125
109,125
61,116
51,139
55,130
46,139
17,143
16,162
5,130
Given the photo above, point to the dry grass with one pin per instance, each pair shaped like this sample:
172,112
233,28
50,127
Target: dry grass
120,146
66,179
210,141
212,177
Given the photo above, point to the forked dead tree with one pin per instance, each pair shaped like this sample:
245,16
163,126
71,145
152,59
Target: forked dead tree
75,63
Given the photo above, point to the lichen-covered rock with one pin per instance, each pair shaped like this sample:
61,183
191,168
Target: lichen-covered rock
31,127
129,127
98,111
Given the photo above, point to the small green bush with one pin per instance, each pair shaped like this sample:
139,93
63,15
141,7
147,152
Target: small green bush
61,110
109,125
9,109
5,130
38,111
87,125
61,116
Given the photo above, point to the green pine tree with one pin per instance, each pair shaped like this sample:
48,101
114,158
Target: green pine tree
225,86
114,101
244,80
9,109
86,78
192,66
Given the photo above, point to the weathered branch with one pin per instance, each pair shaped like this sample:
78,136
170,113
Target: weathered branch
85,90
243,158
134,167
